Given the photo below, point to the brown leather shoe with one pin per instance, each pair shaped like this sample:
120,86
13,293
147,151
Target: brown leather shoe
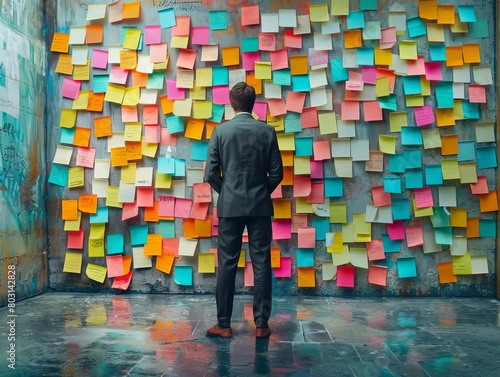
220,332
262,332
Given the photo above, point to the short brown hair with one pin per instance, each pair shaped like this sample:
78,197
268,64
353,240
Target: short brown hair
242,97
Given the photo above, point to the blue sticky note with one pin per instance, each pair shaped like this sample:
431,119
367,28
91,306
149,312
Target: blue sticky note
486,157
292,122
414,178
166,18
218,19
166,165
466,150
444,235
487,228
479,29
67,135
470,110
305,257
356,20
392,184
180,167
138,234
100,217
444,95
333,187
174,124
220,76
282,77
199,150
437,52
368,5
433,175
339,73
322,226
440,218
466,13
155,80
166,228
59,175
396,163
183,275
389,102
411,136
400,208
100,83
3,82
365,56
301,83
416,27
250,44
115,243
303,146
412,85
217,113
390,246
407,267
413,158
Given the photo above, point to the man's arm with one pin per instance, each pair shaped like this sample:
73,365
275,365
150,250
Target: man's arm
275,165
213,167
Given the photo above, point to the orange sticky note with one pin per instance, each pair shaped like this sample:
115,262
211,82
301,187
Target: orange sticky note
128,59
306,277
449,145
445,14
287,157
102,126
256,83
203,228
69,209
131,10
488,202
153,246
119,156
87,203
445,270
133,150
94,34
165,262
472,230
188,228
275,257
151,213
194,128
230,56
298,64
454,56
471,53
352,38
167,106
64,64
139,79
60,43
427,9
377,275
96,102
82,137
445,117
458,217
287,176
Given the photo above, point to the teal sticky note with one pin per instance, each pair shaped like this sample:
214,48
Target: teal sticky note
356,20
479,29
368,5
416,27
411,136
166,228
155,80
166,165
389,102
412,85
444,235
303,146
322,226
486,157
220,76
466,13
487,228
437,52
183,275
470,110
392,184
100,83
217,19
217,113
180,168
301,83
282,77
339,73
305,257
365,56
174,124
199,150
400,208
250,44
440,218
466,150
407,267
115,243
433,175
333,187
100,217
67,135
292,122
59,175
414,178
444,95
396,163
166,18
138,234
412,158
390,246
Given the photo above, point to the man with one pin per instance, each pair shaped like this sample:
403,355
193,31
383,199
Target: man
244,166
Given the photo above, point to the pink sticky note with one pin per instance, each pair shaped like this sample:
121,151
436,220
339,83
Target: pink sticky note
248,60
118,75
377,275
309,118
166,138
158,52
122,282
317,171
480,187
129,114
151,134
260,108
182,207
295,101
380,197
321,150
396,230
220,94
248,274
424,115
387,38
152,34
277,193
285,268
145,196
317,57
317,195
186,59
306,237
267,41
279,59
349,110
85,157
150,114
292,40
70,88
372,112
200,35
369,74
173,91
423,197
166,206
301,186
282,229
99,59
75,239
414,235
433,71
375,249
129,210
345,276
416,67
199,211
477,93
276,106
356,86
114,264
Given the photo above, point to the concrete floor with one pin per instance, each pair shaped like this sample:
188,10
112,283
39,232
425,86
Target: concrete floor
76,334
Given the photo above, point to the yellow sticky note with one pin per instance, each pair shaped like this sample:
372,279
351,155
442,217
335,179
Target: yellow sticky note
204,77
96,248
163,180
450,169
206,263
263,70
435,33
387,144
68,118
458,111
328,123
114,93
301,206
468,172
131,96
128,59
398,119
339,7
383,57
197,92
64,64
132,38
338,213
128,173
82,72
318,12
133,131
241,261
73,262
458,217
112,197
343,257
462,264
277,122
202,109
282,208
81,102
97,231
96,272
73,224
76,177
149,149
426,86
414,100
422,212
286,142
337,245
301,165
408,50
382,87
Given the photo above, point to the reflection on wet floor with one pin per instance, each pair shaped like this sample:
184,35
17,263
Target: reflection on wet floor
76,334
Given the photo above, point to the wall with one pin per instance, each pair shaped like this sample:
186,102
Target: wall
23,234
357,183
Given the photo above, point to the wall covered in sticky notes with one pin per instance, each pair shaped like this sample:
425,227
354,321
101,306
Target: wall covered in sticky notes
385,116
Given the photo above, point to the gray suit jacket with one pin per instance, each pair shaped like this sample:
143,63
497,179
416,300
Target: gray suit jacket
244,166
